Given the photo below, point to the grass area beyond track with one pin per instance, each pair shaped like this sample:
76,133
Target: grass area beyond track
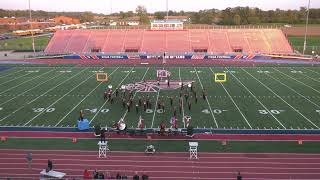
25,43
252,98
163,146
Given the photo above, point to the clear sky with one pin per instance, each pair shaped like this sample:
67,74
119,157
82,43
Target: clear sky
104,6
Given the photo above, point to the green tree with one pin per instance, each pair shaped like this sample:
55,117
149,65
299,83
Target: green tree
237,19
159,15
143,15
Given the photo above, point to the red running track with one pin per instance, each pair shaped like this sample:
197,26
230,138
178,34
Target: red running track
160,166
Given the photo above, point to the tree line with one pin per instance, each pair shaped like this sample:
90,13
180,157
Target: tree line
228,16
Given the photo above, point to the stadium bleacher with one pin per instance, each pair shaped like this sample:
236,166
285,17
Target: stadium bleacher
269,41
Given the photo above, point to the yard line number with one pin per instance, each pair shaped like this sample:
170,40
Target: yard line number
296,72
273,111
95,110
38,110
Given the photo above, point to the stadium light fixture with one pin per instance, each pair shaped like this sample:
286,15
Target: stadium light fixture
306,30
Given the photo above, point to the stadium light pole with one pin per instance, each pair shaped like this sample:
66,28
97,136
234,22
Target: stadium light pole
167,9
306,30
30,21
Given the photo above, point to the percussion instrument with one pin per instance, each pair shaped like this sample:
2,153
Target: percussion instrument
122,126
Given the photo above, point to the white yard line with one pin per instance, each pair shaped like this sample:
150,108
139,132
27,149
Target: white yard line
297,81
57,86
60,99
235,104
19,84
311,70
119,85
184,123
294,90
125,114
31,89
307,76
258,100
11,73
15,78
84,98
214,118
283,100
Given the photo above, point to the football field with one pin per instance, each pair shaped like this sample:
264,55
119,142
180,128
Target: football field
252,97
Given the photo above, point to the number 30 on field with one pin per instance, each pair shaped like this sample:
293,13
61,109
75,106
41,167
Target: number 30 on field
272,111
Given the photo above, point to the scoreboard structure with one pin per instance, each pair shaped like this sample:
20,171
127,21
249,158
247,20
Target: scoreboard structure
166,25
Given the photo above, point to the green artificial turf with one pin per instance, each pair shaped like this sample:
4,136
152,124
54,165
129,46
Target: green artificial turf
252,98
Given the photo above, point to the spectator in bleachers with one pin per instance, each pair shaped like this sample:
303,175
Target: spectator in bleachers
239,177
118,176
29,159
144,177
95,174
86,174
136,176
50,165
101,175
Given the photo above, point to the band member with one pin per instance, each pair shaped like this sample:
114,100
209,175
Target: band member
123,103
111,100
141,123
159,104
168,82
196,99
145,106
105,95
191,86
186,96
187,120
103,135
175,112
181,86
174,122
81,115
162,128
140,102
117,92
189,105
204,94
180,108
137,108
171,101
150,105
162,106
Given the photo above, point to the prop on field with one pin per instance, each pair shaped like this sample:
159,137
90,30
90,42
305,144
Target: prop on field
83,124
121,125
163,82
150,149
102,77
220,77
